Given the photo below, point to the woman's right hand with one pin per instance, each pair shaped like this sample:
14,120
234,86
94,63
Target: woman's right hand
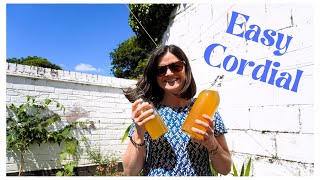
142,112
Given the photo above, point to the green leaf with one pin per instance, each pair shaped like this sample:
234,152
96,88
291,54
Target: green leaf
59,173
47,101
55,139
248,168
49,120
71,148
30,98
69,167
125,135
242,170
84,139
62,156
235,172
65,132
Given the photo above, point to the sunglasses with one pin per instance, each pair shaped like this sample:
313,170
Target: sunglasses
174,67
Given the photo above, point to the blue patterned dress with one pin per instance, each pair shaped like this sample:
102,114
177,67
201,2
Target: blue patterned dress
173,154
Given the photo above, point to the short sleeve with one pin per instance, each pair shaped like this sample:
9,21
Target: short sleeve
219,125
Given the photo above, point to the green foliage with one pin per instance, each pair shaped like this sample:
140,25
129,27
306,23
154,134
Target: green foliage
29,123
26,124
96,156
245,169
126,133
68,169
106,164
34,61
128,60
154,18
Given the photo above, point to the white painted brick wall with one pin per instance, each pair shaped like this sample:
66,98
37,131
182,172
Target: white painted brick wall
239,119
272,125
295,147
252,142
306,119
275,118
100,96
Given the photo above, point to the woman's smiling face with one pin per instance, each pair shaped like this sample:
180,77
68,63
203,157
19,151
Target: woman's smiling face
171,81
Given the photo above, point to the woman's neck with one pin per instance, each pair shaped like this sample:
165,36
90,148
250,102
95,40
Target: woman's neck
173,101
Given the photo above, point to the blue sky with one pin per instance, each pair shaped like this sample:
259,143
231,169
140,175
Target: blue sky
77,37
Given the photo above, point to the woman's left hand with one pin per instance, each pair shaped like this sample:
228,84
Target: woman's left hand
208,141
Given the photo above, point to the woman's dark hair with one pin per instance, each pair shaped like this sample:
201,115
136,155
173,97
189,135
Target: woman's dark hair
148,82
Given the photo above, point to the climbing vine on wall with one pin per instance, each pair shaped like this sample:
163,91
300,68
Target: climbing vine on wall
30,123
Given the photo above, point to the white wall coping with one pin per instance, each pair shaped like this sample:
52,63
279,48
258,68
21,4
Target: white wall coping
66,76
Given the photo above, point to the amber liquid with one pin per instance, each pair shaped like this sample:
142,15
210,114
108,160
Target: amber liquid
156,127
206,103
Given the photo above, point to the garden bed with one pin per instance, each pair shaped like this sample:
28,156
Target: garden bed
79,171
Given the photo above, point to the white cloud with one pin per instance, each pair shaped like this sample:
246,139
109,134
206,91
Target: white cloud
85,67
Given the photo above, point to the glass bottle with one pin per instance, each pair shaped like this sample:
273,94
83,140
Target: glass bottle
207,103
155,127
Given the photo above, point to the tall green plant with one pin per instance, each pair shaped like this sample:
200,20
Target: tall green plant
245,169
29,123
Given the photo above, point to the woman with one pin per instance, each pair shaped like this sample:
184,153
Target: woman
168,83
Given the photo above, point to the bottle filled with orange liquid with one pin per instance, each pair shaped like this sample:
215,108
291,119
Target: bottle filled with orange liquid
156,127
207,103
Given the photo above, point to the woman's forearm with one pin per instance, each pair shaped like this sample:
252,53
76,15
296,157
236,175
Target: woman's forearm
220,156
134,156
221,161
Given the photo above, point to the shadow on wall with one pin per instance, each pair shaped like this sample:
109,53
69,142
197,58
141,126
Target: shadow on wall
36,157
40,157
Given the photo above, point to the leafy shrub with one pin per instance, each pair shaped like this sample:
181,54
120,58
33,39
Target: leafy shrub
107,165
30,123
